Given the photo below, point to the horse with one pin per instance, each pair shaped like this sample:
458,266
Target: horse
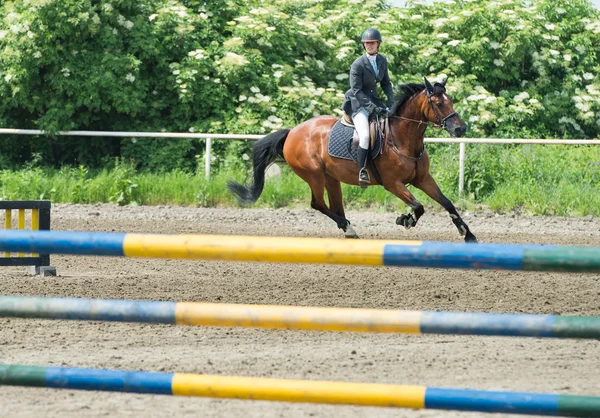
403,161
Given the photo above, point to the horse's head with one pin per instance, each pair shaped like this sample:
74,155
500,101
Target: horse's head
439,109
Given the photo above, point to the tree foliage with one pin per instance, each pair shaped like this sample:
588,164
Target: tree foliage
517,68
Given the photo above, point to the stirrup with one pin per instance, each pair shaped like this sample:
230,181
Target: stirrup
363,178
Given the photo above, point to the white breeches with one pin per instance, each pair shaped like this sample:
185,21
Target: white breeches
361,124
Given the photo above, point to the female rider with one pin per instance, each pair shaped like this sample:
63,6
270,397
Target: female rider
361,101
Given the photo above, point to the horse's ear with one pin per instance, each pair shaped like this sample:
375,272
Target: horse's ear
428,86
444,82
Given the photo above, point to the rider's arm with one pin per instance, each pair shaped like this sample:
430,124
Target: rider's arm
356,84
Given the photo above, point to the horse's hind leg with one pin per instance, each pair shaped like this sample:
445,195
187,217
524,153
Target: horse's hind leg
316,181
336,204
430,187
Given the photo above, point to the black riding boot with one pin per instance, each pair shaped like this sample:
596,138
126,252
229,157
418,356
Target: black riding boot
363,175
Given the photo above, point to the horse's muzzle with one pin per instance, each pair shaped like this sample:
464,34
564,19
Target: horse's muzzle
460,130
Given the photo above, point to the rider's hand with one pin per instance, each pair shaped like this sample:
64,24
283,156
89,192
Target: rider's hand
382,111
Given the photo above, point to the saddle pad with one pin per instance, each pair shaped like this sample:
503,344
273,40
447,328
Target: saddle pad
340,143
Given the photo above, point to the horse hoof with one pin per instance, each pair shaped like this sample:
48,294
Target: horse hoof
471,239
350,233
406,221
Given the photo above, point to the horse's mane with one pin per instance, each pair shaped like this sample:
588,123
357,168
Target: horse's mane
405,92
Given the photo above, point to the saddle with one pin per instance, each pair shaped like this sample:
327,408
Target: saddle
343,140
373,131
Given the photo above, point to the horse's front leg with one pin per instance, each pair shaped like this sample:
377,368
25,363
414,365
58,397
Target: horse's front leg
401,191
430,187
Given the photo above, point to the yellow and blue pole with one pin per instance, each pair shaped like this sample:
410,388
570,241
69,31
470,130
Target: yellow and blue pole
301,318
307,250
365,394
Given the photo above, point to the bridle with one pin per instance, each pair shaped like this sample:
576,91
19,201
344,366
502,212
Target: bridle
441,123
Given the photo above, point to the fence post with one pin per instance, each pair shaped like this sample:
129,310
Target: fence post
461,169
207,162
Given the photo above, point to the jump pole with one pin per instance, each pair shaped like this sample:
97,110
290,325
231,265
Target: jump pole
301,318
365,394
308,250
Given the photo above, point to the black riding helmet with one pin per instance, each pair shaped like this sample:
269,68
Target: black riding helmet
370,35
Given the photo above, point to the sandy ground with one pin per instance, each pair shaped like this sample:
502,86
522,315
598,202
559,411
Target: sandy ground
520,364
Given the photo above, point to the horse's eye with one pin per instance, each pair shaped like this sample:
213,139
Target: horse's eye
440,104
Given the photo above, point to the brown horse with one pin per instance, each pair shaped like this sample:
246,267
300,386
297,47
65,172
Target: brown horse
404,161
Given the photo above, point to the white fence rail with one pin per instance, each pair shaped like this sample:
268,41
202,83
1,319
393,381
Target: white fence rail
210,137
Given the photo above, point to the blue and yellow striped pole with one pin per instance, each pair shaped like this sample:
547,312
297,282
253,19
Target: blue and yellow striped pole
307,250
365,394
301,318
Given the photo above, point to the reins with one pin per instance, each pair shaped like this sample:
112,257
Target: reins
441,125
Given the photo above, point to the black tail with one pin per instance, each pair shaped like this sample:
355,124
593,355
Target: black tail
265,151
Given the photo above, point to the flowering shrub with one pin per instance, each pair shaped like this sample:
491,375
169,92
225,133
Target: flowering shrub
517,68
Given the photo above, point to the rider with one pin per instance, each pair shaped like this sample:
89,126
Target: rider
361,101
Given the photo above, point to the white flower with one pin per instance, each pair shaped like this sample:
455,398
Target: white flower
203,16
130,77
442,35
473,118
198,54
176,72
439,22
576,77
521,96
8,77
271,28
342,76
554,52
549,26
152,17
454,42
254,89
560,11
533,101
459,62
567,57
494,45
277,74
192,129
580,48
242,98
499,63
416,17
234,59
588,76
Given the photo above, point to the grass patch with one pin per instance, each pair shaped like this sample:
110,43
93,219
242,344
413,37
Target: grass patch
537,180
